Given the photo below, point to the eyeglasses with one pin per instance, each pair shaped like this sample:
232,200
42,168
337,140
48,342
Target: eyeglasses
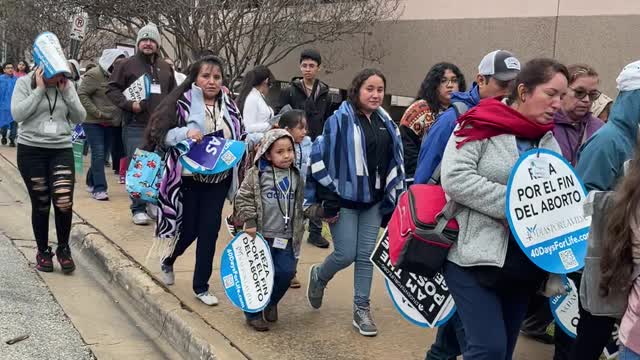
581,93
446,82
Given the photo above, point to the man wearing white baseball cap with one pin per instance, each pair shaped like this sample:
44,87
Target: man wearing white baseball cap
496,72
600,165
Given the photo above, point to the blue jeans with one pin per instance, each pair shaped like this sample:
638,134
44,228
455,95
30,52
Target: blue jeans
491,317
284,262
627,354
449,342
12,129
99,138
133,137
354,238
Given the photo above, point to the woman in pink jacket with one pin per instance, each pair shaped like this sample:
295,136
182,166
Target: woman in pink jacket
621,257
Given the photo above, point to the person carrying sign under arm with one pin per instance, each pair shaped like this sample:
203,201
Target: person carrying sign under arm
496,72
270,202
136,113
488,275
574,125
190,205
600,166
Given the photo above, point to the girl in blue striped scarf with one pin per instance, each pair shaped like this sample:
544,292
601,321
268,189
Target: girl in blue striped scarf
357,171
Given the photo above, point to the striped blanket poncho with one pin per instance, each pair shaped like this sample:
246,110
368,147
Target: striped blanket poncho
345,173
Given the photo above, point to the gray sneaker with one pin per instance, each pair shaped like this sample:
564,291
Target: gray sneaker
168,277
315,288
363,321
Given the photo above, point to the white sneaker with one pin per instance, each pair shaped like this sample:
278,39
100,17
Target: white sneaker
208,298
100,195
90,189
141,219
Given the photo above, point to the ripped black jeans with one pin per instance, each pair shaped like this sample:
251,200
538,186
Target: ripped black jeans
49,177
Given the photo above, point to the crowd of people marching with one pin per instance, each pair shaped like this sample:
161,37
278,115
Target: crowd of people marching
307,162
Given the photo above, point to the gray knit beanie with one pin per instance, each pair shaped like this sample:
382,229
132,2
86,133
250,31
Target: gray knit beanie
149,31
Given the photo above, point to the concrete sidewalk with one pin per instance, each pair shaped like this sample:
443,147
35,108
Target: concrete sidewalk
28,309
301,333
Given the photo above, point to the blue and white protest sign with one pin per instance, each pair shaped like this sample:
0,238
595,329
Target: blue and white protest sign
566,313
139,90
247,272
545,200
565,308
212,155
48,54
422,301
78,133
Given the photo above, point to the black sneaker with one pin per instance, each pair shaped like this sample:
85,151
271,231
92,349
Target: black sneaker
315,288
44,260
64,258
318,240
4,140
258,324
363,321
12,143
271,313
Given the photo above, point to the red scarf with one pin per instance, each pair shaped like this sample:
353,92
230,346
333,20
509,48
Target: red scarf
492,118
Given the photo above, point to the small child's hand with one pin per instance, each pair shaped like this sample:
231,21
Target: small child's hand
251,232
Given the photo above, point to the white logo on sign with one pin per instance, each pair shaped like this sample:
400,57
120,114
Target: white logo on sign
512,63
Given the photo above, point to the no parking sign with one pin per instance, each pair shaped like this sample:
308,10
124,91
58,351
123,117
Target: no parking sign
545,200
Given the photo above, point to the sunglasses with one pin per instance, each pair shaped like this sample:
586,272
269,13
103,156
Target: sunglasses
581,93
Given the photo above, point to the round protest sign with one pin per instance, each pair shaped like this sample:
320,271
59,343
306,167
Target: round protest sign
565,308
422,301
566,313
247,272
545,211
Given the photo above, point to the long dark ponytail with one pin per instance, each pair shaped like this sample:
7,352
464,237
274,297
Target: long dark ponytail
254,77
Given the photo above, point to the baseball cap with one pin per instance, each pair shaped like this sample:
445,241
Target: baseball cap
629,78
500,64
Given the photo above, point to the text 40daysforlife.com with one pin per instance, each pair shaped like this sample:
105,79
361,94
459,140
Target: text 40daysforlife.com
548,187
552,248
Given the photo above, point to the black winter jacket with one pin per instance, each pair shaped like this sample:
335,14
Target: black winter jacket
316,106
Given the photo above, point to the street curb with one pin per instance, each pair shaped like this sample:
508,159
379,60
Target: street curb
179,325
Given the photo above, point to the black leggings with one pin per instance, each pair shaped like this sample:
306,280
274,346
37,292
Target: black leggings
49,176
